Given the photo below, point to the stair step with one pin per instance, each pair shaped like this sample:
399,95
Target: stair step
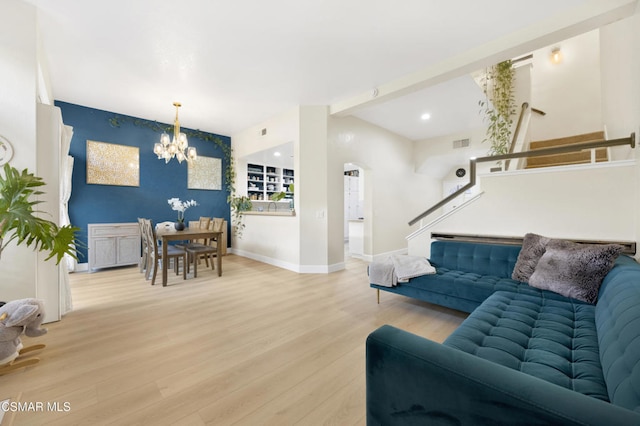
586,137
582,157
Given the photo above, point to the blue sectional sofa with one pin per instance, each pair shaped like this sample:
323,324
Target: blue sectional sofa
523,356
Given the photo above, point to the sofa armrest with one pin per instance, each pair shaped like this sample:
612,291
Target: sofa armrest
412,380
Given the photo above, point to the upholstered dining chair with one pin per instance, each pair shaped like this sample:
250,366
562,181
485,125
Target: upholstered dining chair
208,249
155,254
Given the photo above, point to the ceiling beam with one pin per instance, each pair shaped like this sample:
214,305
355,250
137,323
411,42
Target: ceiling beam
590,16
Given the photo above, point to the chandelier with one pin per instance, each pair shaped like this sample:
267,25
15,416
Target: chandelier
178,147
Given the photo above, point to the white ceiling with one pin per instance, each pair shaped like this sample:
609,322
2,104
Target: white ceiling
452,107
234,64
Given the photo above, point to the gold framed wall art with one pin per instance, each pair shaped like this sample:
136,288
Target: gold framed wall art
205,173
112,164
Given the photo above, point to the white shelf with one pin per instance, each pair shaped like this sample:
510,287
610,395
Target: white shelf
264,180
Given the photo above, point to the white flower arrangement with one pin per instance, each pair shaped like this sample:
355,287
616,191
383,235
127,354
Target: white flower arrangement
181,206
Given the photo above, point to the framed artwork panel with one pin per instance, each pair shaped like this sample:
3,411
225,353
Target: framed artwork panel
205,173
112,164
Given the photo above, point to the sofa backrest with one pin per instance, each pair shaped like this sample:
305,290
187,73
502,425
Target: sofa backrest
484,259
618,325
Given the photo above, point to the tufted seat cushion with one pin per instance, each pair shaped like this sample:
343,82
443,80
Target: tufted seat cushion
472,286
547,337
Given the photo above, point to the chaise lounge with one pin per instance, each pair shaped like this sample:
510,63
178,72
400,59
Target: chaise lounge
526,354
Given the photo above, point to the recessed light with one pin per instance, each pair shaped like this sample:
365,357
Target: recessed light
425,116
276,154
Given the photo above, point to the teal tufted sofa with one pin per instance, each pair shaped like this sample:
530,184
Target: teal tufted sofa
523,356
466,274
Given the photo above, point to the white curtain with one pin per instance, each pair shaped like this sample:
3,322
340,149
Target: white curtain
68,264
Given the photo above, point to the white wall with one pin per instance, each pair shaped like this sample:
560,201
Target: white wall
590,203
34,134
269,239
435,157
311,158
299,243
18,125
569,92
280,129
394,193
620,69
620,64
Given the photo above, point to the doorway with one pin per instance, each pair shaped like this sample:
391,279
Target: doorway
353,210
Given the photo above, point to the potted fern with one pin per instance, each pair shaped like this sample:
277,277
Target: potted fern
18,220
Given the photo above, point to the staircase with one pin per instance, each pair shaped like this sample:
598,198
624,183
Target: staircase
567,158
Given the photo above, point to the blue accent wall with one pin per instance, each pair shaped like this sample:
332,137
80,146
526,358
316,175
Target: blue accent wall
90,203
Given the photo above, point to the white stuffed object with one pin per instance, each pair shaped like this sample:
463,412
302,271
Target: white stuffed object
23,316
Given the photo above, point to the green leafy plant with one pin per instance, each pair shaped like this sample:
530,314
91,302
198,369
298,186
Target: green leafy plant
499,106
18,219
239,205
277,196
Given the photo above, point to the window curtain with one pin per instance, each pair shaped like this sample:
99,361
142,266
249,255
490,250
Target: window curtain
68,264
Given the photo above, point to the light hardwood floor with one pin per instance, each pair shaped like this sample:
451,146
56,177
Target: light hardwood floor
259,345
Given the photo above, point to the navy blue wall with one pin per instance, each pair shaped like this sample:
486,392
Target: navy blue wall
158,181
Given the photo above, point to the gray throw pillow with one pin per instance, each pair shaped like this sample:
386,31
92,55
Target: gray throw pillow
533,247
574,270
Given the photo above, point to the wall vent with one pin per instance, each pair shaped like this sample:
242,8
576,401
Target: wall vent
460,143
263,131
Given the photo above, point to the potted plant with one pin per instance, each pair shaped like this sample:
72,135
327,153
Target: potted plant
19,222
239,205
499,106
277,196
180,207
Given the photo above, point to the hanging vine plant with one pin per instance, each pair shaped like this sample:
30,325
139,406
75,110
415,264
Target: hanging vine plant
227,151
499,106
239,205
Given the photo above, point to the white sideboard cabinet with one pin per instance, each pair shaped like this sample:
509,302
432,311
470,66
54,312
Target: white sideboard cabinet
113,244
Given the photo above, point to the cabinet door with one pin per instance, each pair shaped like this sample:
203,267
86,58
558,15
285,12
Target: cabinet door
128,250
104,252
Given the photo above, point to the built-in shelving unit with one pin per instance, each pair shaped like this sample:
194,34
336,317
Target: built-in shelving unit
264,181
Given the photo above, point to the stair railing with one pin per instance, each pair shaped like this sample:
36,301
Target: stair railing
631,141
519,127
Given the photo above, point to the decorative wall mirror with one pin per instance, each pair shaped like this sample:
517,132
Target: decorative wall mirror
6,150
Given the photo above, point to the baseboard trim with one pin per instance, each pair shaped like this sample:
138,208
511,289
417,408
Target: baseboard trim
81,267
300,269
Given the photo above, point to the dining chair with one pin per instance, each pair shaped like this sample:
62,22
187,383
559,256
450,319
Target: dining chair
202,223
208,249
155,254
142,265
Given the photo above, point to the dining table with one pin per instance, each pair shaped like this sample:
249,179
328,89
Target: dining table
188,234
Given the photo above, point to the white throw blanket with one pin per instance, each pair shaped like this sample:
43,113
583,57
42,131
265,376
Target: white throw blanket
383,273
398,268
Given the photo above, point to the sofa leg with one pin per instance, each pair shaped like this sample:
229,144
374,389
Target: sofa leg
378,290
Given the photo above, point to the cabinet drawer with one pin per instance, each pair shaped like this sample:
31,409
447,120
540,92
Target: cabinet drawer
113,230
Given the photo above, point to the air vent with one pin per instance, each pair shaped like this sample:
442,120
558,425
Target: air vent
460,143
263,131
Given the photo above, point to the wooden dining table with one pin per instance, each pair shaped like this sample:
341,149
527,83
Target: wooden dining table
166,235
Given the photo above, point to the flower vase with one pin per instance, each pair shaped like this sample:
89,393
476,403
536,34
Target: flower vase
179,226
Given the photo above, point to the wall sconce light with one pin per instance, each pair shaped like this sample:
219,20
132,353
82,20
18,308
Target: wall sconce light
556,56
